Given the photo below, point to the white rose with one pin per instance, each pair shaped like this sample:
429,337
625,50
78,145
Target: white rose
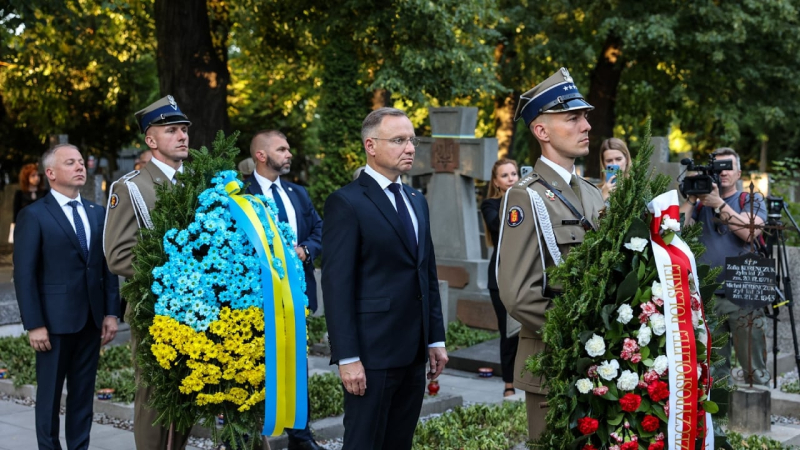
608,369
595,346
636,244
644,335
660,365
670,224
584,385
624,314
627,381
658,324
657,290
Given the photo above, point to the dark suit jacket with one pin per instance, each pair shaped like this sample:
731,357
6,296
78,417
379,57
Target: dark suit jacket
57,287
381,297
490,208
309,229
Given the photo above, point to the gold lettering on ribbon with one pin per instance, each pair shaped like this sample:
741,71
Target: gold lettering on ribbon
683,389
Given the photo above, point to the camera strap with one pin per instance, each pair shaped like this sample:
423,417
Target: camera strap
581,218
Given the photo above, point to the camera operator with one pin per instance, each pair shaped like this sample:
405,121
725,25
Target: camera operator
725,216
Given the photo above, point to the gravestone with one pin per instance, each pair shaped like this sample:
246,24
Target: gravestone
454,159
659,162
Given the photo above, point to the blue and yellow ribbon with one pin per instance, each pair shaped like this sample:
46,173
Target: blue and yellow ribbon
285,380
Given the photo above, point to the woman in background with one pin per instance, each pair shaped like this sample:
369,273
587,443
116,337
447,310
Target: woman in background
613,151
29,189
504,175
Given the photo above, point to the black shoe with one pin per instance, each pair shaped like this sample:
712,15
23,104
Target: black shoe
305,445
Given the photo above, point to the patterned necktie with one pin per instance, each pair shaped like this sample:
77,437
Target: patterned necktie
276,196
79,230
576,188
405,217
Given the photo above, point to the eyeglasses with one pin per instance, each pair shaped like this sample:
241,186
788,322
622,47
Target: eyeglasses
401,142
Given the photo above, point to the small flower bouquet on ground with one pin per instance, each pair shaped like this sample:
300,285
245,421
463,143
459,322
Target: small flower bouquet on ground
629,342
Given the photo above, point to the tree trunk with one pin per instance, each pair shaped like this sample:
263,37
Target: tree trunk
762,160
192,60
381,98
504,108
603,96
505,105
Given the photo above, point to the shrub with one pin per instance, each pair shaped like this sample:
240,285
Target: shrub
460,336
114,370
317,328
325,396
739,442
19,358
476,427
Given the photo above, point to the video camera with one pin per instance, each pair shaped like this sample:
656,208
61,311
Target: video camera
702,183
774,207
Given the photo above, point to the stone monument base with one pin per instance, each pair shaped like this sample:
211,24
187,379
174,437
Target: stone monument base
750,410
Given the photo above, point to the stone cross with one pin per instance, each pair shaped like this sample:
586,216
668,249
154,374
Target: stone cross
455,159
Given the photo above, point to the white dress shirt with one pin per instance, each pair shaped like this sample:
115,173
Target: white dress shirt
62,202
384,183
167,169
565,174
266,188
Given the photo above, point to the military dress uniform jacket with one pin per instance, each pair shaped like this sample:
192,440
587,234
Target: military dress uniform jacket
124,218
524,253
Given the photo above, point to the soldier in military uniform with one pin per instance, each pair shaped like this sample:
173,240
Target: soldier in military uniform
166,131
544,216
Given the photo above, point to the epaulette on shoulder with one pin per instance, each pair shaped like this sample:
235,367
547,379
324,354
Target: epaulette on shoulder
589,183
130,175
528,180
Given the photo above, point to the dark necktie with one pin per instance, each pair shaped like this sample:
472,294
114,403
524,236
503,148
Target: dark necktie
576,188
276,196
79,230
405,217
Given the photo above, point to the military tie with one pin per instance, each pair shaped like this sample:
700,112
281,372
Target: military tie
405,217
79,230
276,196
576,188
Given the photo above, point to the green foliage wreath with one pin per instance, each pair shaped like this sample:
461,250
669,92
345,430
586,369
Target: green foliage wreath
175,210
598,277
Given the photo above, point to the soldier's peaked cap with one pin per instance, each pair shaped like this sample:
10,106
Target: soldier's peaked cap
556,94
162,112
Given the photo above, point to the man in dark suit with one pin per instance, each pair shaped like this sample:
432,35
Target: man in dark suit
68,300
271,153
381,290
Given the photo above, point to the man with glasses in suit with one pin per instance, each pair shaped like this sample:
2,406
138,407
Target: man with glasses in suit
381,291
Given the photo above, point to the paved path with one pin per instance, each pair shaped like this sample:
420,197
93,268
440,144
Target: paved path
17,423
17,431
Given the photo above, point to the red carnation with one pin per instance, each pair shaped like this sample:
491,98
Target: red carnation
632,445
658,390
657,445
630,402
587,425
650,423
589,447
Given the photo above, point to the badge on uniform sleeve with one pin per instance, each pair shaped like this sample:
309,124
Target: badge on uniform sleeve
113,201
515,216
549,194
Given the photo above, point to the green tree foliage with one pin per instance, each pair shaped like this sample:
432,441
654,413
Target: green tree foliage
719,70
74,67
347,58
